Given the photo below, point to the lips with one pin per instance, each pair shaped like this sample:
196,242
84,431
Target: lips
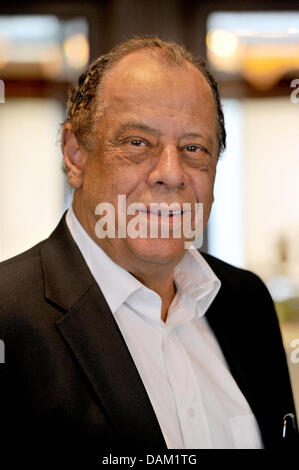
164,209
164,213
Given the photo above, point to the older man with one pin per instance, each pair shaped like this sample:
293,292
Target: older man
125,341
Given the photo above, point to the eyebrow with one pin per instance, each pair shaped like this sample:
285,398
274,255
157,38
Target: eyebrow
146,128
195,135
135,125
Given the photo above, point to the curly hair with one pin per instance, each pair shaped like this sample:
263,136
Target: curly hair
82,100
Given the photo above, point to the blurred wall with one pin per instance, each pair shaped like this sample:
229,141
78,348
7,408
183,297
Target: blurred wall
271,159
32,189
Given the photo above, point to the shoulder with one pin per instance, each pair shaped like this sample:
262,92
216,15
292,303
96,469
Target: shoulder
21,278
27,318
243,299
239,283
232,275
18,264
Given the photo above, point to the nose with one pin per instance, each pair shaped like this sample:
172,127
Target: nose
168,171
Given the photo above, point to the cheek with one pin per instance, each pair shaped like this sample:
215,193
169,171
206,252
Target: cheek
203,186
204,191
126,181
112,177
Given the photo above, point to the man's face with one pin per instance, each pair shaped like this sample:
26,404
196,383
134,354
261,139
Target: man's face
156,143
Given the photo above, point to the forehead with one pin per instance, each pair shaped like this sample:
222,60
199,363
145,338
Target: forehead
142,78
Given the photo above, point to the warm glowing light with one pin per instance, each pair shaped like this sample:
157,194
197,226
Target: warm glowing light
76,49
223,43
51,61
5,46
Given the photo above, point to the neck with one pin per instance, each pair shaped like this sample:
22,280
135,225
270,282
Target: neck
161,283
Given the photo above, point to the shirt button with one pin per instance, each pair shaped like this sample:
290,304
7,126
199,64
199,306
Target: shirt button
191,412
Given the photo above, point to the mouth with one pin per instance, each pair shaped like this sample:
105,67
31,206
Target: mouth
165,210
163,213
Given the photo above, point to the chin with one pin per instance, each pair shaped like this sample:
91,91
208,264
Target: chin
157,250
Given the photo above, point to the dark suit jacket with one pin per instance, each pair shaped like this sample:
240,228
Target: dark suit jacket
69,385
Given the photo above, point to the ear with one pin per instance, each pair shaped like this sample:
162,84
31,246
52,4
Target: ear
74,157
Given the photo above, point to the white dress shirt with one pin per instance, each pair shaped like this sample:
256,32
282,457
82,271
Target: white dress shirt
195,398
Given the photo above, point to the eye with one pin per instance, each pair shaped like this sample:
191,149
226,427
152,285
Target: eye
195,148
137,143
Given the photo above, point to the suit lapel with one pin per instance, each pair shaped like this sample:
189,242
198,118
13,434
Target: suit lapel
217,317
90,330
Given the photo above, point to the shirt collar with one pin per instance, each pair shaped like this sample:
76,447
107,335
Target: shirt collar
193,276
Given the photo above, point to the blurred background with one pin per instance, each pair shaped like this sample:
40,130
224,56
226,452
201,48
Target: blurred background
254,53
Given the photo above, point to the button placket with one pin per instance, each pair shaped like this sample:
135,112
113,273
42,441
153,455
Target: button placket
194,424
